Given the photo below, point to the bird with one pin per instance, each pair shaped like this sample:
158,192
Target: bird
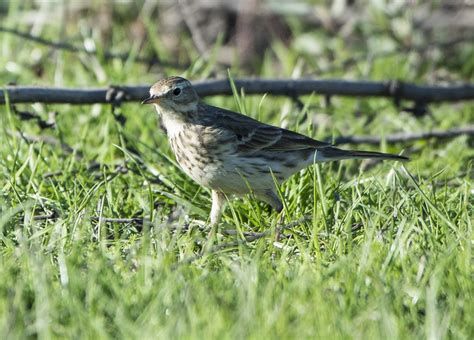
233,154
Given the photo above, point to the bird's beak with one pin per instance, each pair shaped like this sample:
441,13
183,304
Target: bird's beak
151,100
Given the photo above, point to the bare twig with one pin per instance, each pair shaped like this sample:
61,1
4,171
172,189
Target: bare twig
134,220
406,137
50,140
51,216
354,140
278,87
72,48
43,124
251,238
280,229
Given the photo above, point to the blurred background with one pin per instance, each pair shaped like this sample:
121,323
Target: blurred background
429,41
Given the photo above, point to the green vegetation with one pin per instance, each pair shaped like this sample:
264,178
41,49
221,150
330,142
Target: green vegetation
387,253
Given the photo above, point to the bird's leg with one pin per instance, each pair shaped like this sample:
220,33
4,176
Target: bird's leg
270,197
218,206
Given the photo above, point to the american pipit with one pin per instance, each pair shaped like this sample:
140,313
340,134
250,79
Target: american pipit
231,153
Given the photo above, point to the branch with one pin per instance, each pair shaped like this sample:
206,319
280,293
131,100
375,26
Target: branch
354,140
405,137
30,115
251,238
50,140
278,87
72,48
134,220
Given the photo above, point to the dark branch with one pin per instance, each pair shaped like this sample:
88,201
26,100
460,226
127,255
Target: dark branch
405,137
50,140
51,216
134,220
29,115
253,237
354,140
249,236
278,87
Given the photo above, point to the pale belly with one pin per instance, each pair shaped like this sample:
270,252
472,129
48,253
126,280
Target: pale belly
214,171
214,163
226,171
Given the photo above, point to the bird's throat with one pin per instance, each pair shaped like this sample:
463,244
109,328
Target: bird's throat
173,122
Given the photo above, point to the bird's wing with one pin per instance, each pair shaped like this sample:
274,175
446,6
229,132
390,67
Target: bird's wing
252,135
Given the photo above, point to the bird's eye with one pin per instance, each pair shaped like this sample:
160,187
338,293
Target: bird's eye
177,91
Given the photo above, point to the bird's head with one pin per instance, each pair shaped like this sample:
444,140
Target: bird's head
173,94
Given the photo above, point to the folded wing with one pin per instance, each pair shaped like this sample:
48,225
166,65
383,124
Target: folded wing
253,136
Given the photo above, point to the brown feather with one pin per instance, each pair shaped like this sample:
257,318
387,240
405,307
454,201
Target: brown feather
252,135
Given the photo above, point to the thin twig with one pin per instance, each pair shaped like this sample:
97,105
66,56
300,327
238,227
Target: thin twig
249,236
72,48
50,140
134,220
278,87
29,115
233,244
52,215
354,140
406,137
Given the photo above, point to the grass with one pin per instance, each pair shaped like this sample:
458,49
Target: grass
404,272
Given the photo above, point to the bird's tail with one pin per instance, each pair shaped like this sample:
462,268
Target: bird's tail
332,153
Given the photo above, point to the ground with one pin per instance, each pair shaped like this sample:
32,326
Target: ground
385,252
